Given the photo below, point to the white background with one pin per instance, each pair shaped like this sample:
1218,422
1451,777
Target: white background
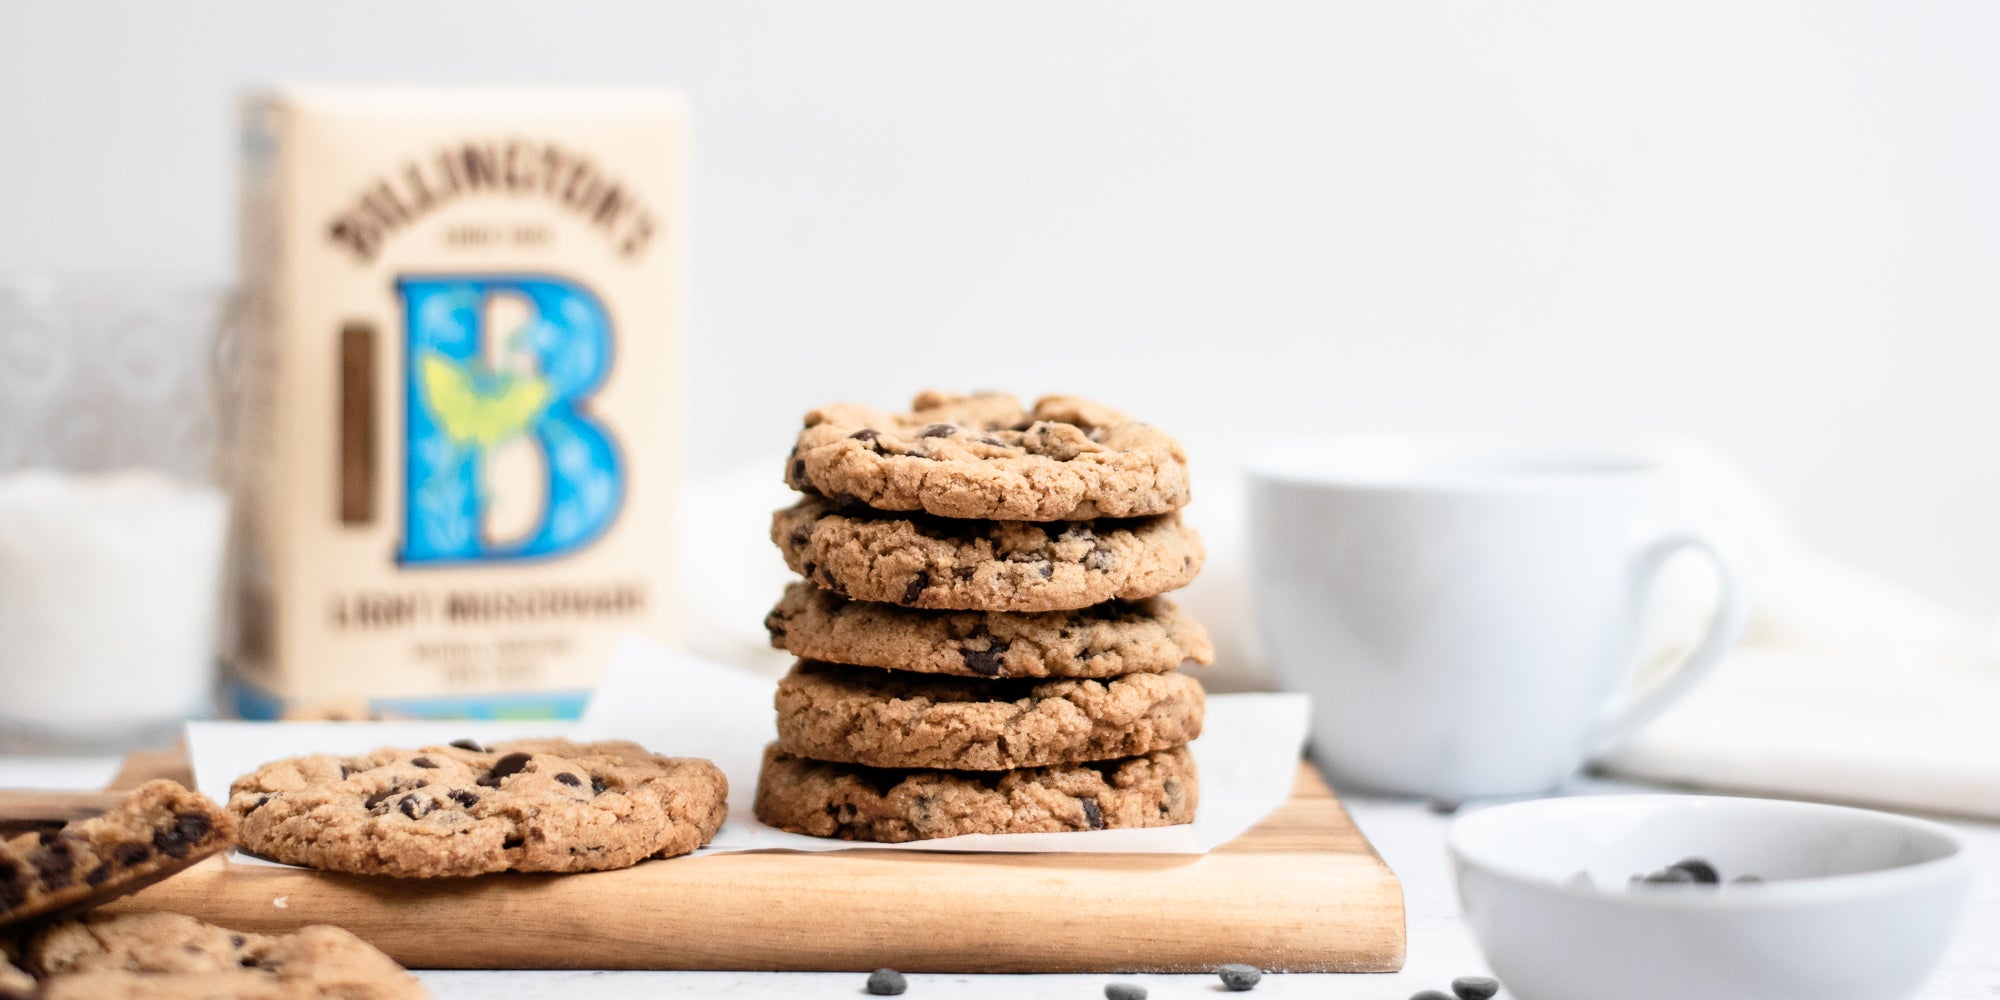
1775,225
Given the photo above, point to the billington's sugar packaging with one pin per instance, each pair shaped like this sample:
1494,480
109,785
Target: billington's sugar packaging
457,396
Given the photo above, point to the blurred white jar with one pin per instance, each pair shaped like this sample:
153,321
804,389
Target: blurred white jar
109,592
112,536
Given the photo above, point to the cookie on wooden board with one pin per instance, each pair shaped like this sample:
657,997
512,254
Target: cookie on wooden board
881,718
157,830
983,456
463,809
927,562
894,806
1149,635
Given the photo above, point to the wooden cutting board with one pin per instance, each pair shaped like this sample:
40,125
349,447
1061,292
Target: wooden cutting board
1301,892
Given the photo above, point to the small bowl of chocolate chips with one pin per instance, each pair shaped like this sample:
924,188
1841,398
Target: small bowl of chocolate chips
1666,897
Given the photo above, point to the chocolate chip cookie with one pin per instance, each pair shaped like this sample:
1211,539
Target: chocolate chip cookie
920,561
983,456
463,809
154,832
1149,635
893,806
880,718
166,956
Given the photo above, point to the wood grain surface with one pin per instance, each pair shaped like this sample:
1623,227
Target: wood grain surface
1302,891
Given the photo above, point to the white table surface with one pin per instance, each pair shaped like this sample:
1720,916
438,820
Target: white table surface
1409,836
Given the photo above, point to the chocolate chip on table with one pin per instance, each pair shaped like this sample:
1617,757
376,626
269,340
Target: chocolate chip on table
1237,977
468,745
1430,995
1445,807
1475,987
887,983
1703,872
1124,991
1667,876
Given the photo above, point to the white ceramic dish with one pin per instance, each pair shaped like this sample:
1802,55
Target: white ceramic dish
1857,905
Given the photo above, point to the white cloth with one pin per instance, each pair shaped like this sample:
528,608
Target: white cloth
1846,687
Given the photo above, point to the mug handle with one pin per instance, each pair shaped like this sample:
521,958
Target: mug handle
1732,613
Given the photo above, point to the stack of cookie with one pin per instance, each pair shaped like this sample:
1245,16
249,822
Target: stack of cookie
982,645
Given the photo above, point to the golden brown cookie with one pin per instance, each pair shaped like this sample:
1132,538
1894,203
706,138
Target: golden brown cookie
880,718
893,806
1149,635
166,956
927,562
983,456
154,832
524,805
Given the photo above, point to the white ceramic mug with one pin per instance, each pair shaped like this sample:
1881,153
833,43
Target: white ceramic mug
1465,611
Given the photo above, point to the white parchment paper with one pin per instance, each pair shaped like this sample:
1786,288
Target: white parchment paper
684,706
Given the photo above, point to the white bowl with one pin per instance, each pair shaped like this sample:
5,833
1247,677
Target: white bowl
1857,905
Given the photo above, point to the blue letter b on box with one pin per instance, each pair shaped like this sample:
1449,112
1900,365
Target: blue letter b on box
480,400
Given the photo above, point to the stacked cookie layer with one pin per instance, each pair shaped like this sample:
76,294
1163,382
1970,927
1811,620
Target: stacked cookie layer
983,647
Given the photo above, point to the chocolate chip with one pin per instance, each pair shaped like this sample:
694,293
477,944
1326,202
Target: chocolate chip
1703,872
512,843
127,855
939,431
801,537
345,772
1475,987
262,800
597,786
1430,995
1022,426
1092,813
468,745
570,779
53,866
798,470
1444,806
98,876
414,807
865,434
1047,569
378,798
1101,559
172,843
887,983
1667,876
996,442
1238,977
984,662
916,587
511,765
195,827
423,762
238,940
1124,991
465,798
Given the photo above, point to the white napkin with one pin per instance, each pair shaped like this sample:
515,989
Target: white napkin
1846,687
